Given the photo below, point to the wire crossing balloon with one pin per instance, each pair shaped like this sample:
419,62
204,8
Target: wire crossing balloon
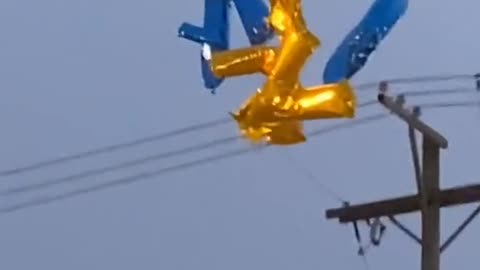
275,113
214,35
353,52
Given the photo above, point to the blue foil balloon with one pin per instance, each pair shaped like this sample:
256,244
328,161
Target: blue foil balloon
215,34
253,14
353,53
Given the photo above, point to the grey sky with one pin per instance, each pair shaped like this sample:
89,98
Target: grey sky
75,75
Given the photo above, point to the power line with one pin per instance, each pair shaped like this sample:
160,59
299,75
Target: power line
116,167
439,105
149,175
113,148
136,162
191,149
419,79
196,127
121,181
310,176
438,92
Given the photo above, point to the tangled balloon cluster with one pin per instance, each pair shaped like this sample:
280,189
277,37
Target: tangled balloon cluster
276,111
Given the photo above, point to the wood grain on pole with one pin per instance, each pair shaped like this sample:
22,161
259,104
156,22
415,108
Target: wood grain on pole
431,205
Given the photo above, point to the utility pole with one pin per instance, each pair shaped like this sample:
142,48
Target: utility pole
428,200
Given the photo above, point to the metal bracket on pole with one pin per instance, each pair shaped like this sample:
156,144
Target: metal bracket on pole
460,229
404,229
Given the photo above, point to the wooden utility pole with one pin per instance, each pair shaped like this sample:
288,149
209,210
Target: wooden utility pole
430,198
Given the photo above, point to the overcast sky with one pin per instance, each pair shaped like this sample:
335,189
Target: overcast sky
75,75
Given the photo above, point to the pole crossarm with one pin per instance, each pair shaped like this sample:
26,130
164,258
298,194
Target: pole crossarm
403,205
412,120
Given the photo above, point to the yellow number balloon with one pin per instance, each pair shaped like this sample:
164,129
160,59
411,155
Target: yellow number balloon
276,112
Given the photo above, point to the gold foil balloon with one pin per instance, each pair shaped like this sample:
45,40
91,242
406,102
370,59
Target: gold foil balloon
275,113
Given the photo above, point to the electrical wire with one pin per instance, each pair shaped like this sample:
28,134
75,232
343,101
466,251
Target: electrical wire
438,92
418,79
310,176
198,147
219,157
113,148
115,167
136,162
122,181
151,174
365,262
186,150
440,105
196,127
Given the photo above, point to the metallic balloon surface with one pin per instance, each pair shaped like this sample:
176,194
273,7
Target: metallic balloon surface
353,52
214,35
275,113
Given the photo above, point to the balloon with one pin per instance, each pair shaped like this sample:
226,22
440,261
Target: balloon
353,53
253,14
275,113
214,35
261,120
